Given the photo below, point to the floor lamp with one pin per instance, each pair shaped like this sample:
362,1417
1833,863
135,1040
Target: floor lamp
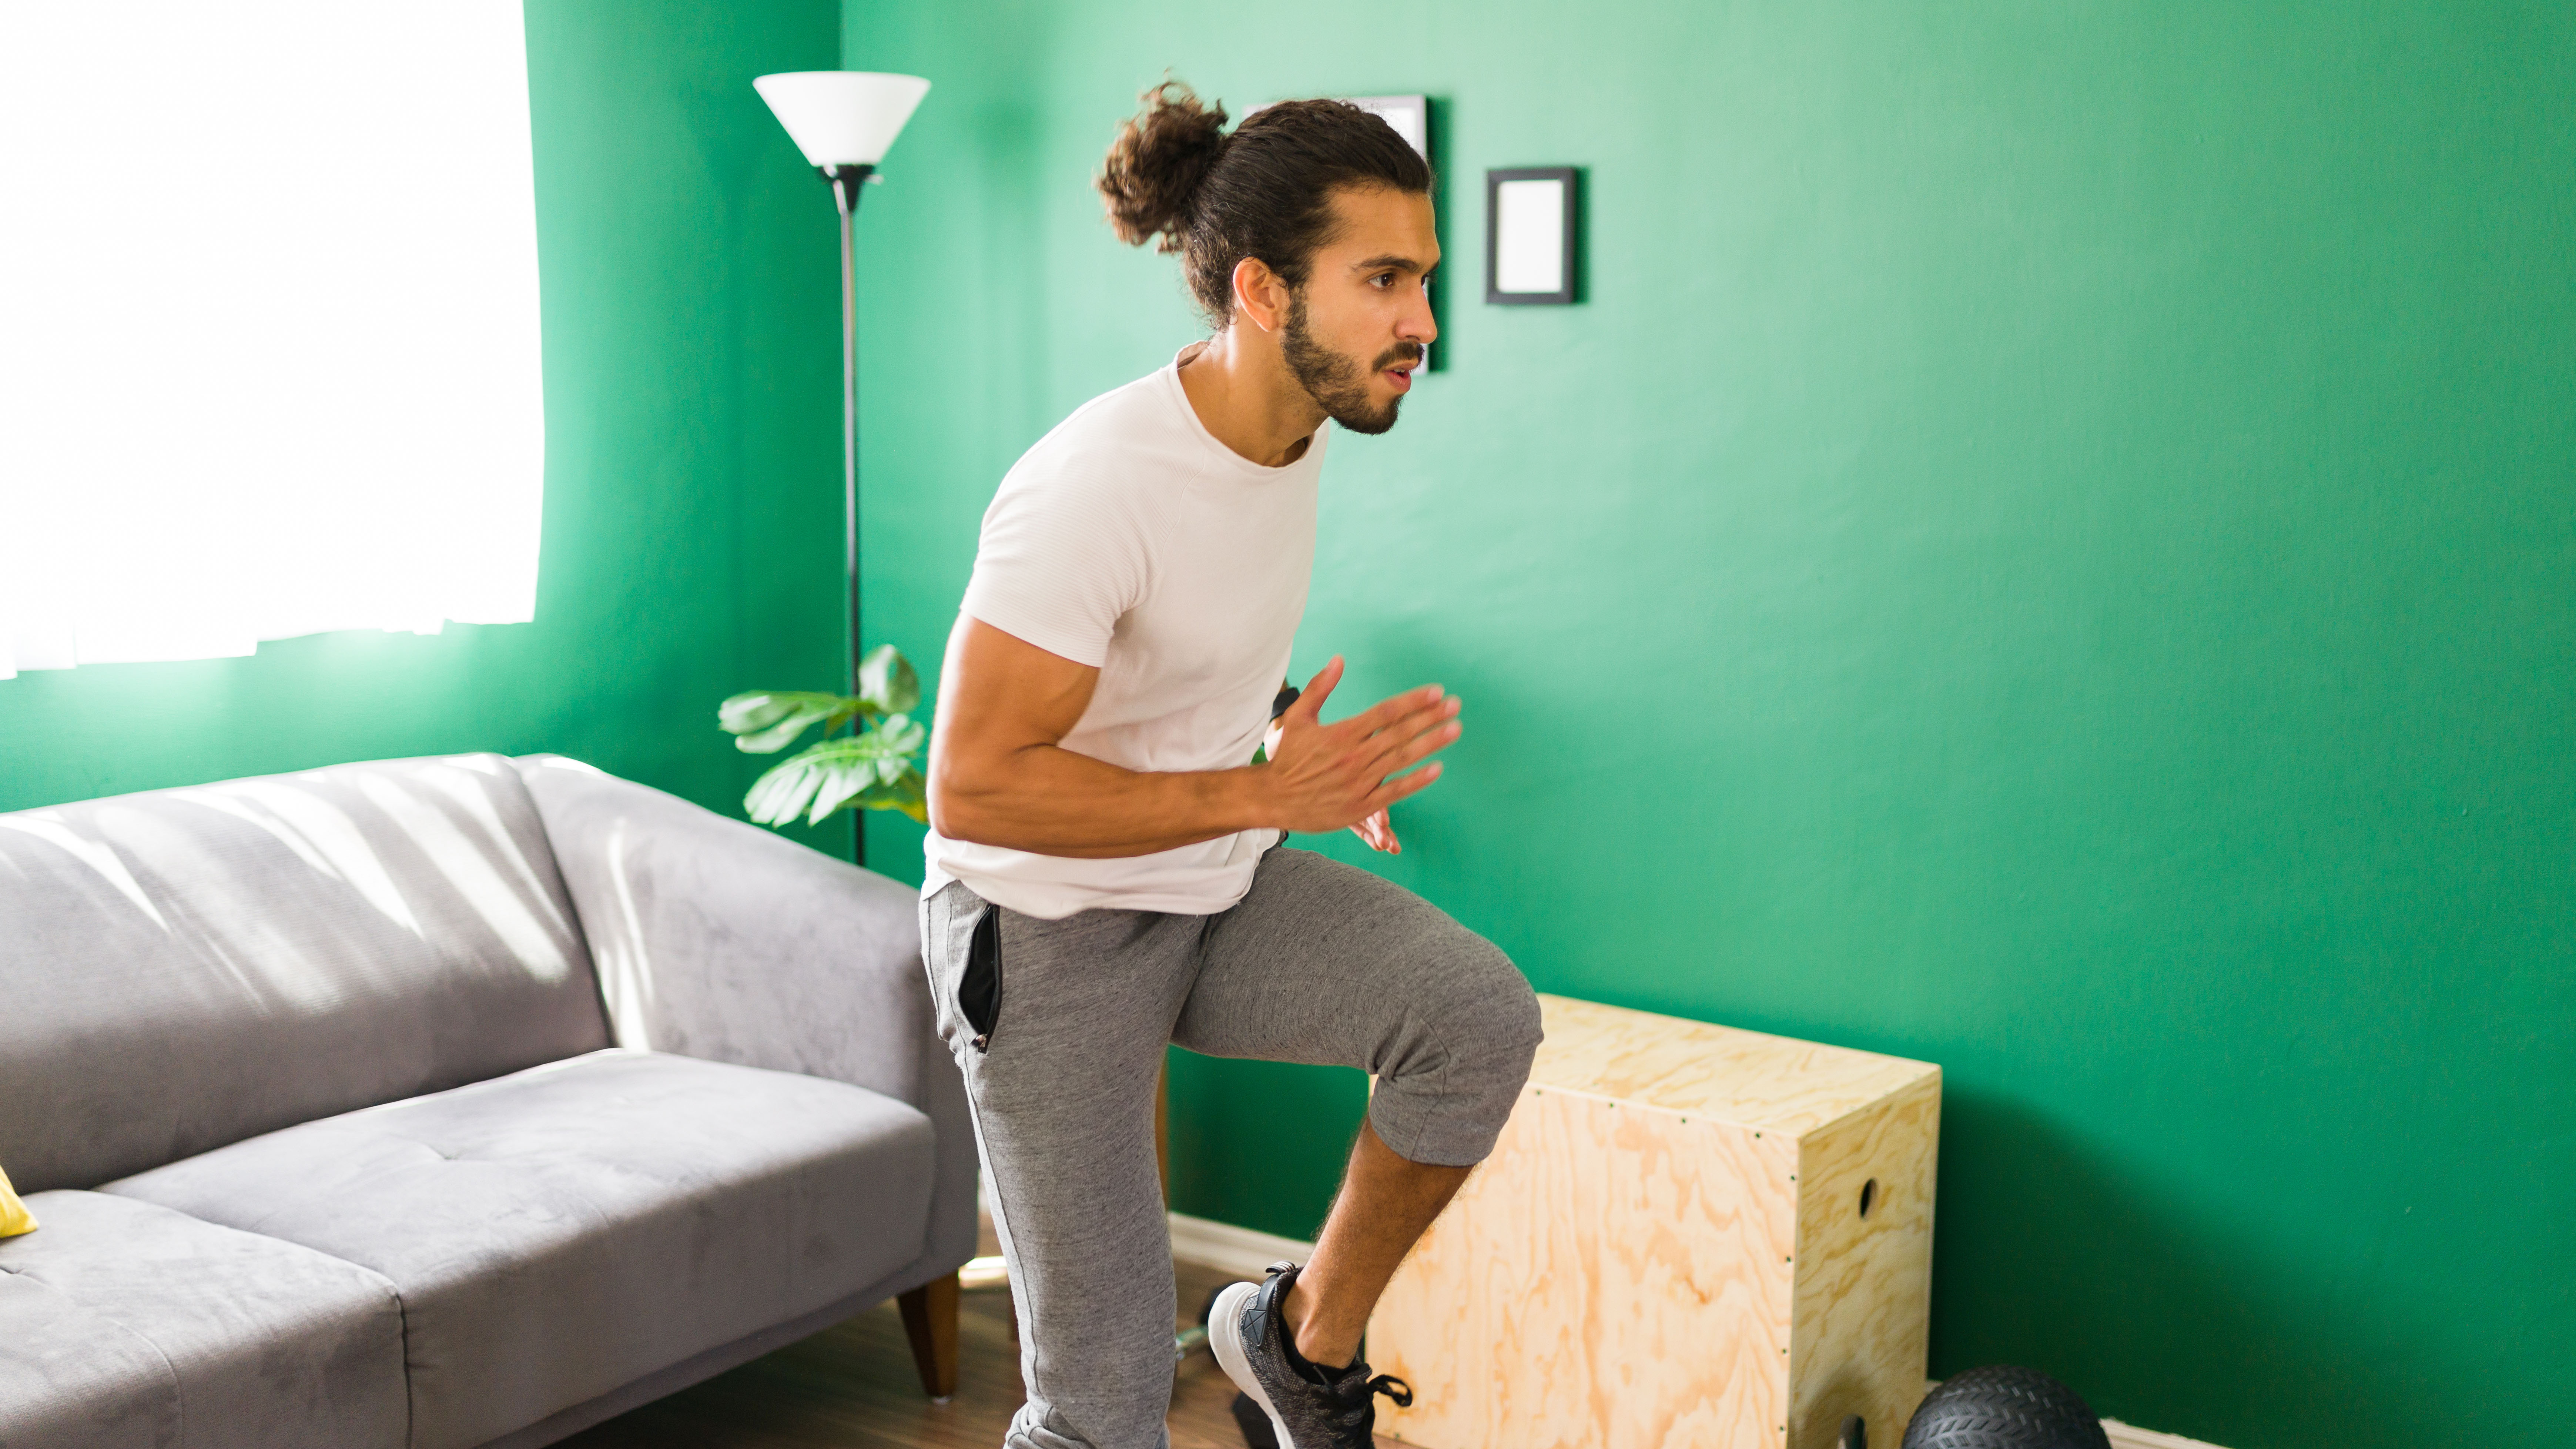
844,120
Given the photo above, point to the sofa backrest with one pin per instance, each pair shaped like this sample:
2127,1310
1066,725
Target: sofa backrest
186,968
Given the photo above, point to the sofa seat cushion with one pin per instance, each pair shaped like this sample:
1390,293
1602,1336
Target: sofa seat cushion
558,1232
123,1323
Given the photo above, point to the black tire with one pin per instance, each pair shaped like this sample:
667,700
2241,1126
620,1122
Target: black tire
2004,1407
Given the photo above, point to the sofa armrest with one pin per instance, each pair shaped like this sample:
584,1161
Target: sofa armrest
714,938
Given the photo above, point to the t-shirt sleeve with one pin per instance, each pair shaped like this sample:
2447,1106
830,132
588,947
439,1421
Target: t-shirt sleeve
1062,558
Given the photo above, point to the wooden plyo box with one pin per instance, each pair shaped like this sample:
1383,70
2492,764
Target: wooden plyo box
1669,1249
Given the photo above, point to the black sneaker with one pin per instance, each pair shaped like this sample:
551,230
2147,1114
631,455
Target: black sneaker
1253,1422
1308,1407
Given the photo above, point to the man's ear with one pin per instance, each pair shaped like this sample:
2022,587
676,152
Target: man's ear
1259,296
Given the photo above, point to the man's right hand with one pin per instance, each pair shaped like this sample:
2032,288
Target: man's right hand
1329,777
999,774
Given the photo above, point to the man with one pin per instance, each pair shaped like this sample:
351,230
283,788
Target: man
1105,869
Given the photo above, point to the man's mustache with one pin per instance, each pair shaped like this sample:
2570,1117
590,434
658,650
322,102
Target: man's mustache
1400,352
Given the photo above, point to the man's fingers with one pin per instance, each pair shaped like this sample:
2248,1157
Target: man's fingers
1405,756
1390,713
1399,748
1403,785
1318,689
1429,716
1378,831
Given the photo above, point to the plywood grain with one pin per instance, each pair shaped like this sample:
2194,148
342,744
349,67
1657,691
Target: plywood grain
1610,1277
1665,1269
1864,1284
1775,1083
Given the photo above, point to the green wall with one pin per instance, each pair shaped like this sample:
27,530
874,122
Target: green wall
2048,548
692,518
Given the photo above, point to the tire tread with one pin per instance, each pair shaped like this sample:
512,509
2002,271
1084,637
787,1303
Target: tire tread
2004,1407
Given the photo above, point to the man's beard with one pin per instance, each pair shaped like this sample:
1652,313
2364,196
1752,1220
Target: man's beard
1335,382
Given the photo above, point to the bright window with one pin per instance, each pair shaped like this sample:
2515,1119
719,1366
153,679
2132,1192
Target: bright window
268,324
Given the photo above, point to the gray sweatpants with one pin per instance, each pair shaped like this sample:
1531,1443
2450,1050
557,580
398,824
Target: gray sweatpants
1060,1028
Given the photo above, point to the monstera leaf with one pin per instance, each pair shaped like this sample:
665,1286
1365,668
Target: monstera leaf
871,769
887,684
766,721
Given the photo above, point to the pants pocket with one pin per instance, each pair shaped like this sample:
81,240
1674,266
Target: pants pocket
979,987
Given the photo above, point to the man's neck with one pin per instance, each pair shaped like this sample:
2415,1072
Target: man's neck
1245,397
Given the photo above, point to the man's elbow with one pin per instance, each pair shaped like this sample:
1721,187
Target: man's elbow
955,812
945,819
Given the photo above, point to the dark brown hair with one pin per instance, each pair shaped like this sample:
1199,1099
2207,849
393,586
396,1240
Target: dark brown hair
1264,191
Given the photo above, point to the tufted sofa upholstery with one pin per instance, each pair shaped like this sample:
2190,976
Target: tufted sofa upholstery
444,1103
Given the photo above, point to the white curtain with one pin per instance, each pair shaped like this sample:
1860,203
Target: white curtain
268,324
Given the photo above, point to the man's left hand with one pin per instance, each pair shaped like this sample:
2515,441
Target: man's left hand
1379,832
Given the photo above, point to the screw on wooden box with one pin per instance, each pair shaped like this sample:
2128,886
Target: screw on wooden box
1688,1235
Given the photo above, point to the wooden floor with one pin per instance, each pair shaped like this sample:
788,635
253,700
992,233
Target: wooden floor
853,1387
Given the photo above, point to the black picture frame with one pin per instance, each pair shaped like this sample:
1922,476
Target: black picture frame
1563,296
1414,117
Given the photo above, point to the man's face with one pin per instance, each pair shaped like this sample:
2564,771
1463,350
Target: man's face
1356,330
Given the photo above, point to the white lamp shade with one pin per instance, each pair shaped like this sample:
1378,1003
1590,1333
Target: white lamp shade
842,117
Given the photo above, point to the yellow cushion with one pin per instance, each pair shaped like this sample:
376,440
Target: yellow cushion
14,1217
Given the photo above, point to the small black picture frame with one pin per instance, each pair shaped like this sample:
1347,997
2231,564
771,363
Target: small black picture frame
1413,118
1517,246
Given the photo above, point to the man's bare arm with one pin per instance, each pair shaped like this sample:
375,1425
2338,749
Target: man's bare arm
999,776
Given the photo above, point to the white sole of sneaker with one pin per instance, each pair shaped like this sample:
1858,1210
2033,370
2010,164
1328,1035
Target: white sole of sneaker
1225,1340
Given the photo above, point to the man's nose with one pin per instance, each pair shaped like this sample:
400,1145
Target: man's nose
1417,324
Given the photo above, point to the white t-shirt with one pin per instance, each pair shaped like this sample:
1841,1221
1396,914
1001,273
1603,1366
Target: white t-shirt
1132,540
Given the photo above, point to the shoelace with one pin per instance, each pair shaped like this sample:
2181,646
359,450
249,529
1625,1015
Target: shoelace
1394,1388
1361,1413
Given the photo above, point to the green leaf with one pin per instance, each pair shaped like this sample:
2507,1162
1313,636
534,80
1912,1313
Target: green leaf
887,682
899,736
769,720
872,768
908,793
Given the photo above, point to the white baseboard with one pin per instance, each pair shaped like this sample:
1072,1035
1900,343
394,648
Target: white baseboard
1229,1249
2125,1436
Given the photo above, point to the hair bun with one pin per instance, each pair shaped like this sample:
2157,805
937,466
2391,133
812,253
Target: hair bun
1155,166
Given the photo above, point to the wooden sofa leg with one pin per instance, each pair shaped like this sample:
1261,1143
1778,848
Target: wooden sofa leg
930,1321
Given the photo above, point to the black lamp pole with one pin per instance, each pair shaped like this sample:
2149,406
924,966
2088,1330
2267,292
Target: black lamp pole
846,180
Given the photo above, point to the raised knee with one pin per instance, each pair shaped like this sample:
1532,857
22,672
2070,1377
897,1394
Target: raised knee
1490,1010
1517,1006
1463,1053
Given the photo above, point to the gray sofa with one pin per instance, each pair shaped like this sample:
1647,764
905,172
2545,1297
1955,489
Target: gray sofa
446,1103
